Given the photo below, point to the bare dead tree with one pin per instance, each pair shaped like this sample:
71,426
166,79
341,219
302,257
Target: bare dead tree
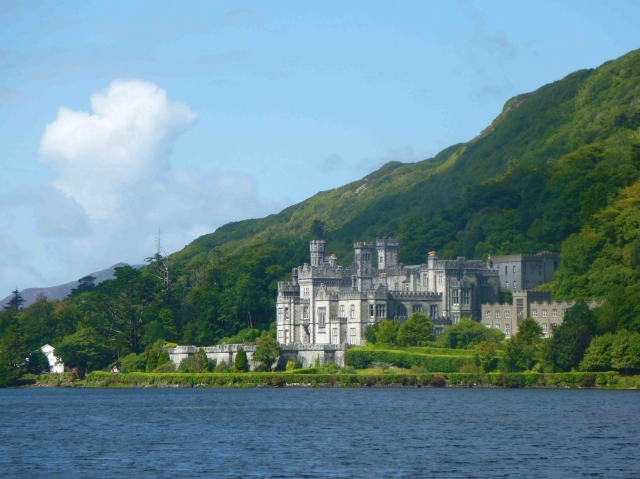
162,265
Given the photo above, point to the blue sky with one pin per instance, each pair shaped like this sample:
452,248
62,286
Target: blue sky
121,118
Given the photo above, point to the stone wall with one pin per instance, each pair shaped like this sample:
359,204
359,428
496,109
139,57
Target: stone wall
305,354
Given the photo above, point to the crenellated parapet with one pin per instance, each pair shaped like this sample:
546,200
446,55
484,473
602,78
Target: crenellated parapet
416,295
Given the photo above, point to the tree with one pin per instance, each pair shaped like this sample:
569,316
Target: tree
529,332
513,356
598,355
370,334
521,350
152,360
467,333
12,363
161,265
85,285
163,359
132,363
415,330
83,349
267,351
200,362
15,303
571,338
125,304
485,355
37,323
625,351
387,332
241,361
37,362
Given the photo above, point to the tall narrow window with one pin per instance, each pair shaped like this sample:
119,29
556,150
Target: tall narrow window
335,339
353,311
305,312
507,329
286,314
342,311
352,335
544,313
433,311
497,314
322,317
514,270
372,310
280,314
456,296
381,310
554,313
507,314
534,313
466,296
487,314
544,328
417,308
425,280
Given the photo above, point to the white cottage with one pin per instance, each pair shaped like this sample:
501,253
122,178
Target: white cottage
55,364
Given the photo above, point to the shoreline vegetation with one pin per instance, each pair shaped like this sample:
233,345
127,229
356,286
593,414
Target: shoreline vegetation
373,377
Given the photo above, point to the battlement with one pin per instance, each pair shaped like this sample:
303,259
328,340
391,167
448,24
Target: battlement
427,295
538,257
388,242
287,286
362,244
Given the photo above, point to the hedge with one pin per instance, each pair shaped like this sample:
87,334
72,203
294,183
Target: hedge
504,380
361,358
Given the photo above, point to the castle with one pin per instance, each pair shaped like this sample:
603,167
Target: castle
325,303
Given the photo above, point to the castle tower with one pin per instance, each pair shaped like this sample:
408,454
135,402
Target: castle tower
316,247
364,272
387,252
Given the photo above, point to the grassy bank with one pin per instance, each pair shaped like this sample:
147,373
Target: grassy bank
512,380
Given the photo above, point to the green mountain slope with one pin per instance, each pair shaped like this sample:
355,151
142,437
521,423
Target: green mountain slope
523,157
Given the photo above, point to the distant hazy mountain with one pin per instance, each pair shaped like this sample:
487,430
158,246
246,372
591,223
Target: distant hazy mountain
63,290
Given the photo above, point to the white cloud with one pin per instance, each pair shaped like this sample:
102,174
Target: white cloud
126,139
115,187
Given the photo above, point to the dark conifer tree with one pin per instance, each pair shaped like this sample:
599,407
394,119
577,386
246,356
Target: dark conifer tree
15,303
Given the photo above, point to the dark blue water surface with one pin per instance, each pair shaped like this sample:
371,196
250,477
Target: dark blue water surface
348,433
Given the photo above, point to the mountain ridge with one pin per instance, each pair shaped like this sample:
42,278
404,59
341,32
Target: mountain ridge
61,291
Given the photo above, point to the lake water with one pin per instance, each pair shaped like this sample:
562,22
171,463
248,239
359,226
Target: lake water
323,433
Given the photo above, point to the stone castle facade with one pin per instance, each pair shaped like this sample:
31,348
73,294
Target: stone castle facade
325,303
536,305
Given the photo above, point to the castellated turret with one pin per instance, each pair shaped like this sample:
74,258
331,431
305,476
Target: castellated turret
362,256
316,247
387,252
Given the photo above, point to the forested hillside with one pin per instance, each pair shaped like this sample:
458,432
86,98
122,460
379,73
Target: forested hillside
557,170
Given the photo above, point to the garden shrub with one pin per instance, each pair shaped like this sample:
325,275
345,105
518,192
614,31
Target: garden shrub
362,358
